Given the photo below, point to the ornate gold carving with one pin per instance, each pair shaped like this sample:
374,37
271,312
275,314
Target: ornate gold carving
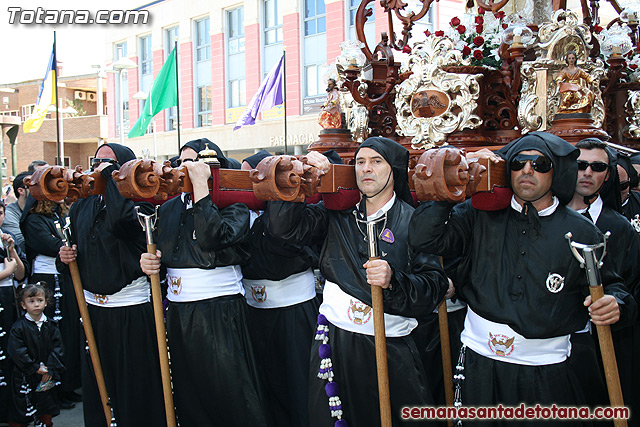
563,34
459,92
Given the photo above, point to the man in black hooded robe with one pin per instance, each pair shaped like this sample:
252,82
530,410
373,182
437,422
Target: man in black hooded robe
526,292
598,198
108,243
343,380
201,247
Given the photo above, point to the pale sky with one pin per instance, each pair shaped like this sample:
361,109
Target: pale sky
27,47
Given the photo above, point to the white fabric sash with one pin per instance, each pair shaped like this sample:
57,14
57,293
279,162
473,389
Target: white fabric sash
6,281
297,288
43,264
351,314
196,284
499,342
136,292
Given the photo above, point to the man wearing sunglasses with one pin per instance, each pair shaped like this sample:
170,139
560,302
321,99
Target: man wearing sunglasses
526,292
597,198
108,241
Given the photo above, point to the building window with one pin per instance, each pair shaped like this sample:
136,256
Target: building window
203,101
369,27
27,110
146,57
272,22
12,113
171,36
203,42
122,93
315,46
235,58
314,17
272,50
202,68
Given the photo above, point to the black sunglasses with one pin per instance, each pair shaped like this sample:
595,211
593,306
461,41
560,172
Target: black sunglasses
624,185
178,162
595,166
97,160
540,164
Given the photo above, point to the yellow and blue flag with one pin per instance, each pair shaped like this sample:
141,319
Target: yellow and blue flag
46,97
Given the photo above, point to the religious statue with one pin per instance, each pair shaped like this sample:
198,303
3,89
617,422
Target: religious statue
330,117
575,96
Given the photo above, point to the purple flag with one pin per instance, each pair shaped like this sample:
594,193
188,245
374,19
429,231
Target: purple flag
268,96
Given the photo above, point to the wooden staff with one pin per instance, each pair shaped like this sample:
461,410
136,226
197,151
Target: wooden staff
592,267
148,225
445,348
379,333
88,329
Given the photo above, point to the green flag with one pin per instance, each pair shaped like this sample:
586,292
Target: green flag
163,94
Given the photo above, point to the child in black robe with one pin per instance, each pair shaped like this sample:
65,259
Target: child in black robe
35,347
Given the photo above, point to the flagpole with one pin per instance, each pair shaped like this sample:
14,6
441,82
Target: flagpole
177,94
54,67
284,94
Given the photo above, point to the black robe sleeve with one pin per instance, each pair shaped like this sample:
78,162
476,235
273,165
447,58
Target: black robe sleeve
121,213
297,223
19,351
39,236
218,229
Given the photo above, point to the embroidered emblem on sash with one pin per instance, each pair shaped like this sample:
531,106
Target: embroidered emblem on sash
259,293
555,283
101,299
359,313
175,284
501,345
635,222
387,236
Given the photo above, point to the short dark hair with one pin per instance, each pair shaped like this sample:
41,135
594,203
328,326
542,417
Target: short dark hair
33,165
592,144
29,290
18,182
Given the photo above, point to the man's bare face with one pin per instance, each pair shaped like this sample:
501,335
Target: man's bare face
529,185
590,181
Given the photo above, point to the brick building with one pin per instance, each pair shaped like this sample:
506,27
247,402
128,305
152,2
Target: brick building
82,132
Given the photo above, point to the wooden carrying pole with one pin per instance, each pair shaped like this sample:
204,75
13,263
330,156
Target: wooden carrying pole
379,334
591,265
609,360
445,348
148,224
88,332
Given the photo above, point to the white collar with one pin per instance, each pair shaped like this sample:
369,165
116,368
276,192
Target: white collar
37,322
189,199
382,210
594,209
544,212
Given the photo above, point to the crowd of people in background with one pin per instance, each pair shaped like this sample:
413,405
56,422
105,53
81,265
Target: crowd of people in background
269,313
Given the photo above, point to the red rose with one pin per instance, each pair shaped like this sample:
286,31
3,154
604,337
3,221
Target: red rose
500,15
481,11
633,66
439,33
427,33
406,49
479,19
504,26
455,21
466,50
461,29
478,41
479,28
597,29
477,54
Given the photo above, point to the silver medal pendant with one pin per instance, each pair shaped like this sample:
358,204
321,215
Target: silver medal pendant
555,283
